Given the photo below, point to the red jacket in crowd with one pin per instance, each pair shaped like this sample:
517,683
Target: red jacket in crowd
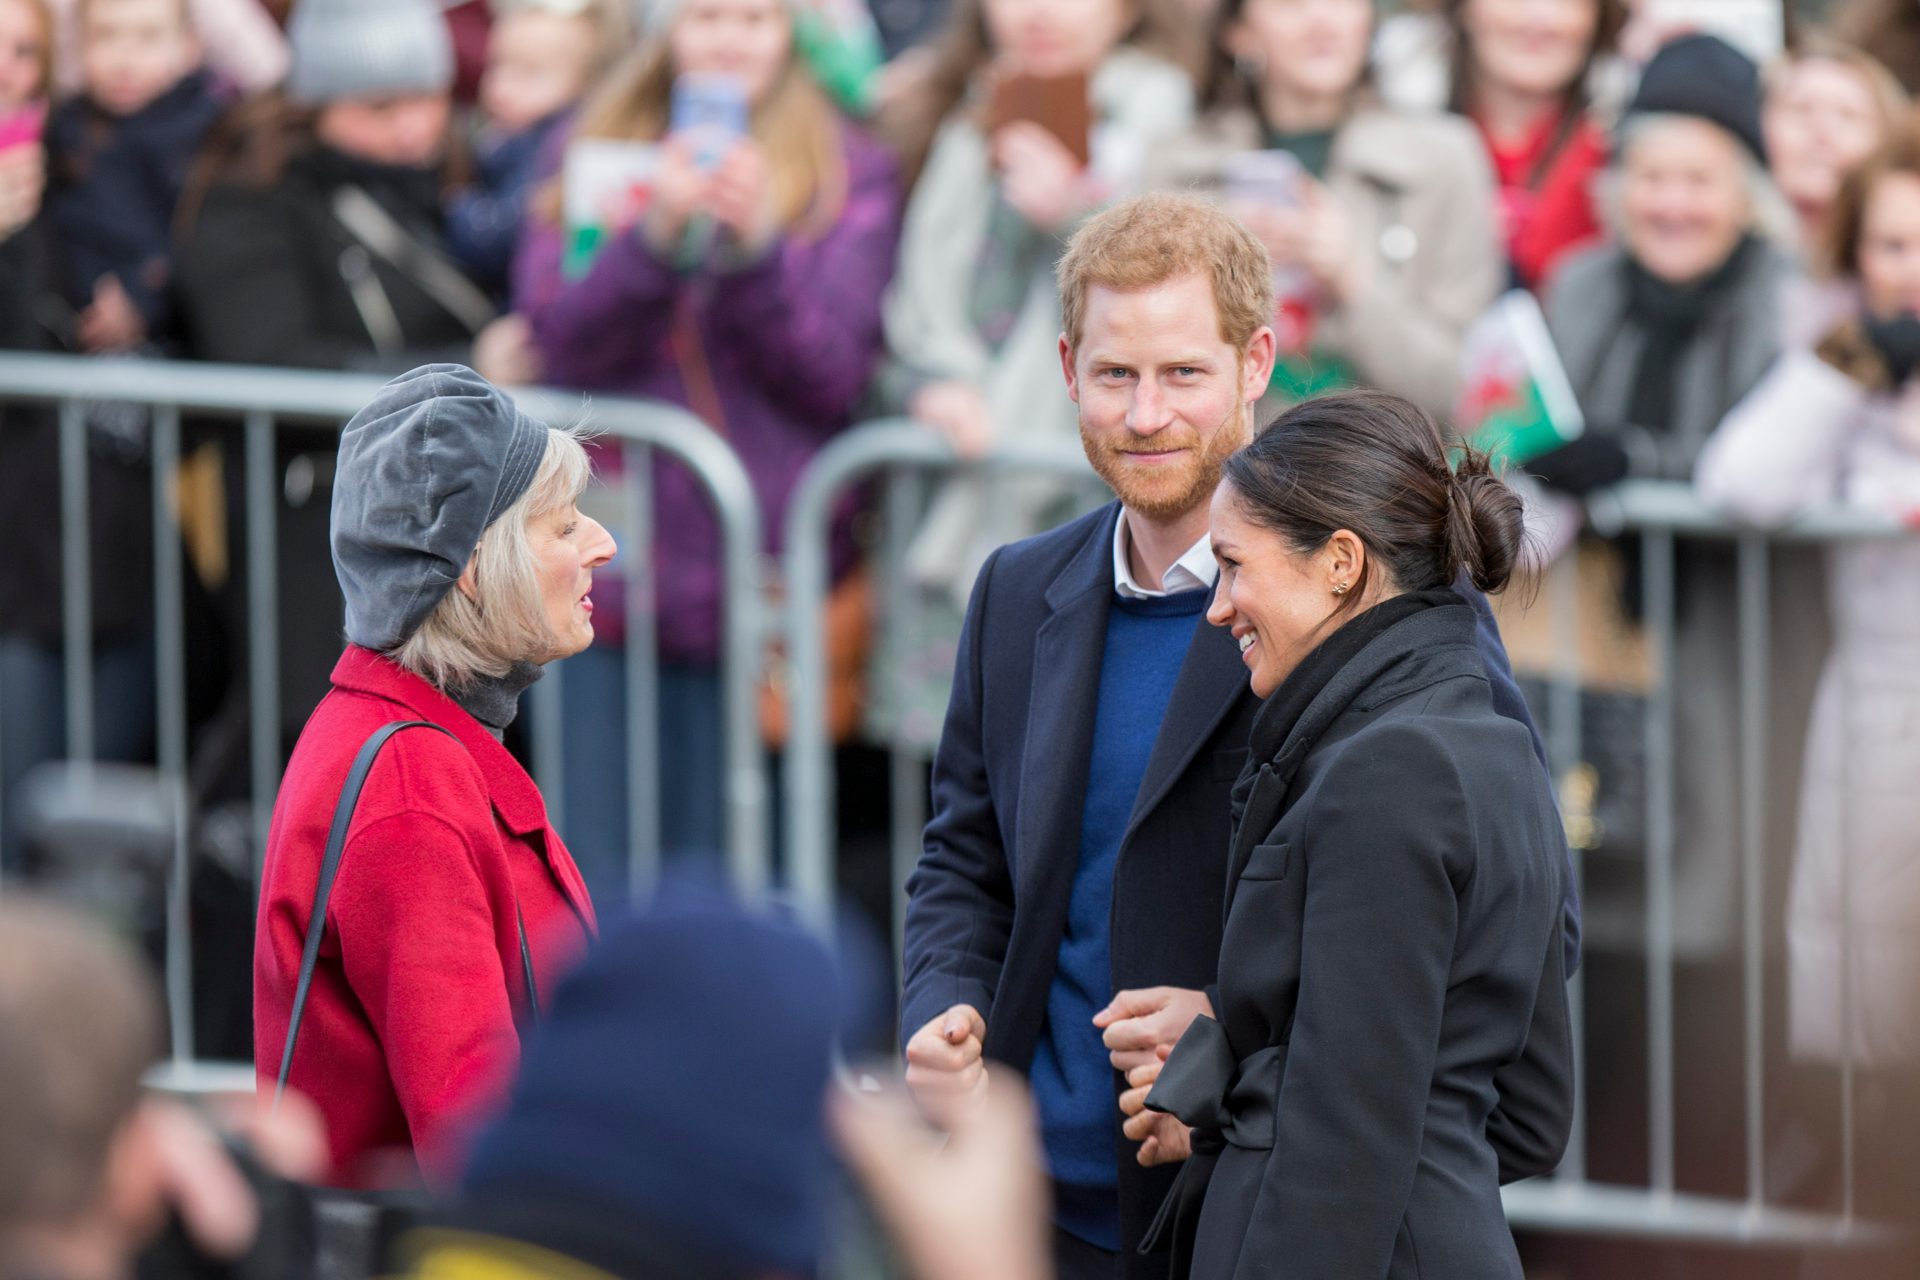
1546,193
410,1026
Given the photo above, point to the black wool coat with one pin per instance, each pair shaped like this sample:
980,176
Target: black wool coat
1393,1039
988,900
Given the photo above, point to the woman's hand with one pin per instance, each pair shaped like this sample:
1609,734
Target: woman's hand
1312,235
1040,178
111,322
959,412
504,353
1163,1138
740,197
23,180
679,190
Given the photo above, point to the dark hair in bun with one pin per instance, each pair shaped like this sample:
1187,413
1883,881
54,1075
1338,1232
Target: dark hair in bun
1374,464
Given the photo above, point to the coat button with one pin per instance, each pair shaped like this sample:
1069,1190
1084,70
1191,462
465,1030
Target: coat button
1398,243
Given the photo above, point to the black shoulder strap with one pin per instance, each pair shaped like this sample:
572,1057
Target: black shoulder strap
330,869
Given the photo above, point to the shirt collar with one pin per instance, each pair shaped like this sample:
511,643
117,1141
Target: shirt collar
1195,570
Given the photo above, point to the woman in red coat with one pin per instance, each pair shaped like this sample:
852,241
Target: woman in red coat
466,566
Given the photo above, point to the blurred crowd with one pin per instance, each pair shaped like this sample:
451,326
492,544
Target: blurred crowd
789,216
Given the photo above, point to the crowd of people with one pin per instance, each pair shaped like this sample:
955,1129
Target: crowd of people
788,216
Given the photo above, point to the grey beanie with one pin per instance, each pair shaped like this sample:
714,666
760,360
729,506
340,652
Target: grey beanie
434,459
367,49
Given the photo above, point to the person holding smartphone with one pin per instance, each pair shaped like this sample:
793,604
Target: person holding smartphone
1528,74
1379,221
749,291
1031,115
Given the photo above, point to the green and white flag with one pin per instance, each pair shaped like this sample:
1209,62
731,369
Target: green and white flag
1515,401
606,185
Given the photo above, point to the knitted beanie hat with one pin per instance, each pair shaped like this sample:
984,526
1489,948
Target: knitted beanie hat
367,49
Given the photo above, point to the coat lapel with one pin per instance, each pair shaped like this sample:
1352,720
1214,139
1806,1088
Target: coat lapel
1211,681
1067,650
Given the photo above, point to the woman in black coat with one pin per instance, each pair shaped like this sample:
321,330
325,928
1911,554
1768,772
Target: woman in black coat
1392,1041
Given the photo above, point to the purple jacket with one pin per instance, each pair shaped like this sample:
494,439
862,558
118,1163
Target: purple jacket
788,343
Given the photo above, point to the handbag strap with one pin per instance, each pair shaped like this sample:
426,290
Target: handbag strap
323,890
382,234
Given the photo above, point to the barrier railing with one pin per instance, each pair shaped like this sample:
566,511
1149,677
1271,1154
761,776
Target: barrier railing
259,400
1660,514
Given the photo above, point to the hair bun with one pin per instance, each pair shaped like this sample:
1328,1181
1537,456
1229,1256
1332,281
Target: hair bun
1485,523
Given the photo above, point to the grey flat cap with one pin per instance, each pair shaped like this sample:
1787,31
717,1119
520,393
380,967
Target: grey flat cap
436,457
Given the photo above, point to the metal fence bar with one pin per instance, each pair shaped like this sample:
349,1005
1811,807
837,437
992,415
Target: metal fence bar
643,684
1849,1153
808,781
1563,749
240,390
263,630
76,586
906,777
1657,560
170,677
1754,587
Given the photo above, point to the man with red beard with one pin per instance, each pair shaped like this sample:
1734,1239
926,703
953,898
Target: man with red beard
1065,916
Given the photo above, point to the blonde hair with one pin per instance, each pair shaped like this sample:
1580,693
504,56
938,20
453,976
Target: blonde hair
795,124
505,623
1151,239
1889,99
608,20
43,13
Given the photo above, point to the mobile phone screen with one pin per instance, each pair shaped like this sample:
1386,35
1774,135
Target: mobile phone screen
711,110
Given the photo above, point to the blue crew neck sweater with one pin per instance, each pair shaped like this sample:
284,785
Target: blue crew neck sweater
1073,1083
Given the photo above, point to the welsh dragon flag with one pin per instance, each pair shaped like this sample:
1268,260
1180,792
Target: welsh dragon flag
1515,400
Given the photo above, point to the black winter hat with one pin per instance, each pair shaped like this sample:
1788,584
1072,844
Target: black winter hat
1704,76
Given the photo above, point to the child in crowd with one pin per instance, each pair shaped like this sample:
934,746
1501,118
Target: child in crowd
26,62
120,154
542,57
749,291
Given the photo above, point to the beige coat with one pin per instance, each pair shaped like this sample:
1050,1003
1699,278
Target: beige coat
1419,196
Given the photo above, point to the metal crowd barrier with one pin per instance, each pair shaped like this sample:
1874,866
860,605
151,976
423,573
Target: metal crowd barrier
1660,514
260,399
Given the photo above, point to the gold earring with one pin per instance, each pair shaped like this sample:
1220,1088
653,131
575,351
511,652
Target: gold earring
1339,588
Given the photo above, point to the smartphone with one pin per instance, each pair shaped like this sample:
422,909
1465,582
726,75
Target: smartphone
1058,104
712,110
1270,179
23,127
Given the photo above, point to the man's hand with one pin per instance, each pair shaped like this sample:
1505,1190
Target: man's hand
977,1207
945,1067
1136,1023
1163,1138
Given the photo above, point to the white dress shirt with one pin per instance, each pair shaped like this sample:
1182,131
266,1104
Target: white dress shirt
1194,570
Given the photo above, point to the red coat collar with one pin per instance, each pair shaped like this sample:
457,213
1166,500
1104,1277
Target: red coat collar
514,796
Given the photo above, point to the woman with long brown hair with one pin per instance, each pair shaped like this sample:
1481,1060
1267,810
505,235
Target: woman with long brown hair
1524,72
1031,115
1379,220
749,291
